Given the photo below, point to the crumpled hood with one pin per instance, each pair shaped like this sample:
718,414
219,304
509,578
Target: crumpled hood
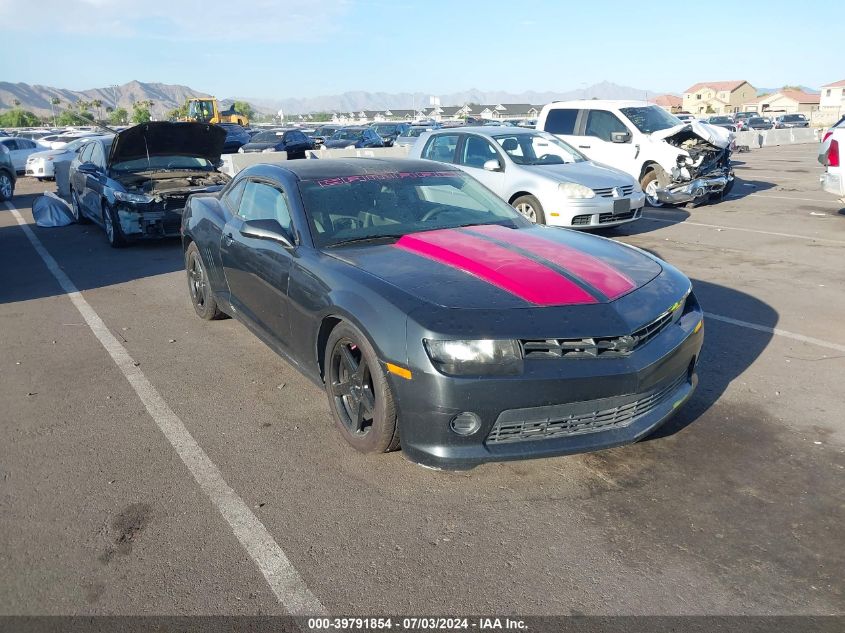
163,138
494,267
588,173
720,137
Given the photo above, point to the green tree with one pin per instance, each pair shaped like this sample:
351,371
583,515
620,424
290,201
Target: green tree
69,117
178,113
53,103
141,112
19,118
321,117
119,116
97,105
242,107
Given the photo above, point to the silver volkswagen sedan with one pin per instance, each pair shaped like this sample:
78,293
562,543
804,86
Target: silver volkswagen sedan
543,178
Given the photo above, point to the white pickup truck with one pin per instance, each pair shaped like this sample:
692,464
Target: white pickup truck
830,155
674,162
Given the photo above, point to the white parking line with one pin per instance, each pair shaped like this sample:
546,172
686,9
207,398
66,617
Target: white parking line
284,580
777,331
763,195
683,222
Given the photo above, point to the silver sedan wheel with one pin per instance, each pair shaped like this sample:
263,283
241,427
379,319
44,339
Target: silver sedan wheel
5,186
527,210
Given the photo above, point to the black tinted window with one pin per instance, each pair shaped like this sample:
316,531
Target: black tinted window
602,124
561,121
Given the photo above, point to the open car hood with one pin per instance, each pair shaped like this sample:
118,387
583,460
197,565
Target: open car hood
720,137
163,138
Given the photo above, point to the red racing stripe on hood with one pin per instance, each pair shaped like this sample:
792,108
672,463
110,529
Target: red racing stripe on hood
593,271
506,269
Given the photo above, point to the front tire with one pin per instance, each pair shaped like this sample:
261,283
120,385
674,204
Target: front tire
649,185
530,208
360,397
199,288
114,234
7,187
76,209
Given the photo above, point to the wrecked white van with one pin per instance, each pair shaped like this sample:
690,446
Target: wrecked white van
674,162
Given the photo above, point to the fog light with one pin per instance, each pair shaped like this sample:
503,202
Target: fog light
465,423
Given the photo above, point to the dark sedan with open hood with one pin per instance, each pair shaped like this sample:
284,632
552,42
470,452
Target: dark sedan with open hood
135,184
436,317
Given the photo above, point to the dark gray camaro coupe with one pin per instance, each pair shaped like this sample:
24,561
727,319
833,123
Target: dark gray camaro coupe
435,315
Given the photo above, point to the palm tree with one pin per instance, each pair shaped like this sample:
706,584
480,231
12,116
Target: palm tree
53,103
97,104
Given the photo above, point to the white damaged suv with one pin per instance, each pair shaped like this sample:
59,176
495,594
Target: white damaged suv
674,162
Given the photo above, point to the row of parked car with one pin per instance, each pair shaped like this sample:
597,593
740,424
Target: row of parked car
751,121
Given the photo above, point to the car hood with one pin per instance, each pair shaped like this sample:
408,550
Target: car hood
340,143
254,147
720,137
588,173
496,268
163,138
47,153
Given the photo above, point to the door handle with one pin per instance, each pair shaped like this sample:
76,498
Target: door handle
228,239
584,146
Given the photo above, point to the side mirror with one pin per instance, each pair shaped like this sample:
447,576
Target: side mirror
266,230
88,168
620,137
492,165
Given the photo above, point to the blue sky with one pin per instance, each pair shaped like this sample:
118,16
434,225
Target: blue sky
303,48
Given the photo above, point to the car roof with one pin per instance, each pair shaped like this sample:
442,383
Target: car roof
486,130
600,103
338,168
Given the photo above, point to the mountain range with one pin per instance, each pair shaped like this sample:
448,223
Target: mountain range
165,97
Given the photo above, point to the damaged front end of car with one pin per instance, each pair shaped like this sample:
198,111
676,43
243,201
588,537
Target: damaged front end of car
151,207
702,170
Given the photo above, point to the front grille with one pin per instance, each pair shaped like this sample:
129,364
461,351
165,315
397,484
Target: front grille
581,220
604,218
607,192
601,347
175,202
577,418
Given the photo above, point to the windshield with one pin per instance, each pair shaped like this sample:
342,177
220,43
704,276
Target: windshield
325,131
793,117
415,131
163,163
201,111
538,148
721,119
756,119
391,204
650,119
267,137
347,135
386,129
75,145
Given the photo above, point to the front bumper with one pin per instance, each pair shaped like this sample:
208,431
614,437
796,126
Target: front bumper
595,212
697,189
137,225
555,407
39,169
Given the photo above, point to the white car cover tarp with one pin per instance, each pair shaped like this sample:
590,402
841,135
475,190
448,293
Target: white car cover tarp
49,210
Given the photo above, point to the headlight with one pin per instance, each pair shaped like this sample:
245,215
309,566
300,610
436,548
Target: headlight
133,198
268,150
574,190
241,150
485,356
350,147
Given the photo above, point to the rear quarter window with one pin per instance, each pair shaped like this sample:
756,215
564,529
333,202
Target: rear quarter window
561,121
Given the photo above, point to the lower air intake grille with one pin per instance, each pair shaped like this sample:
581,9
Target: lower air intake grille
581,220
604,218
578,418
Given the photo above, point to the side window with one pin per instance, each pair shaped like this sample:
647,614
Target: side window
477,151
233,196
601,123
97,156
262,201
85,153
10,144
441,148
561,121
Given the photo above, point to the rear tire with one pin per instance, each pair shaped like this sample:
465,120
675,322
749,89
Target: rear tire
360,397
76,209
199,289
530,208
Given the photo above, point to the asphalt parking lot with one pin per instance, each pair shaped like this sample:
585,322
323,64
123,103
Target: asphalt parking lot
736,507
